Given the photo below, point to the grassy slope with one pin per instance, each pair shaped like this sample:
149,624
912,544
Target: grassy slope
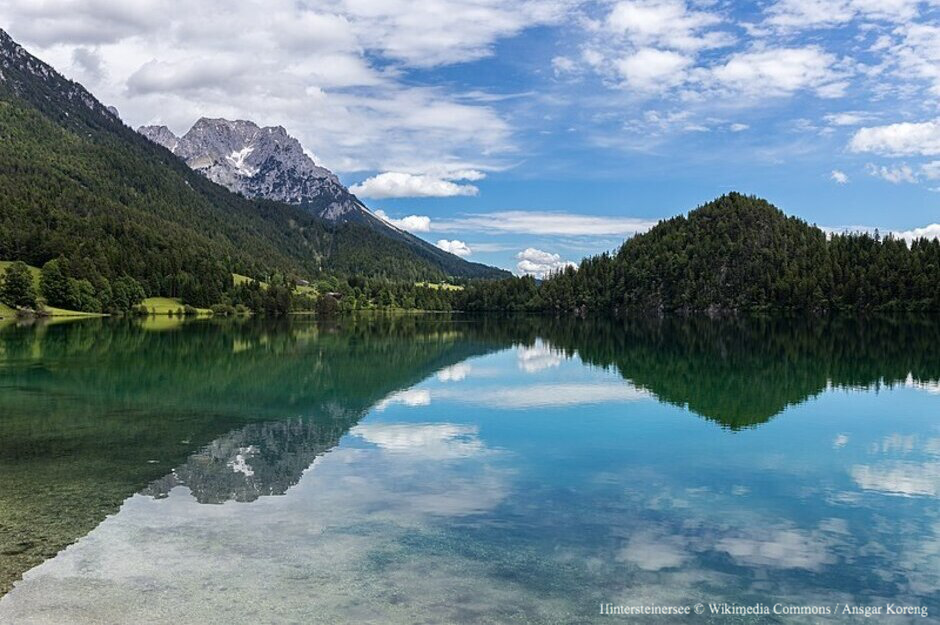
167,305
240,279
441,285
299,290
52,310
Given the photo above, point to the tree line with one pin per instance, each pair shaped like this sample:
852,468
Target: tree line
735,254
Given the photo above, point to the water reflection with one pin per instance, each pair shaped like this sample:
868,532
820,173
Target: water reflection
93,411
254,461
743,372
405,469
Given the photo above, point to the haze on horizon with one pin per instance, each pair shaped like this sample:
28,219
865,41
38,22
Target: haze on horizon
526,133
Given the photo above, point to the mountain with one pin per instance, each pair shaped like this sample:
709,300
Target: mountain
76,182
737,253
261,163
268,163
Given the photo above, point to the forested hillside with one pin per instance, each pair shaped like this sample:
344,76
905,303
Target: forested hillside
737,253
77,183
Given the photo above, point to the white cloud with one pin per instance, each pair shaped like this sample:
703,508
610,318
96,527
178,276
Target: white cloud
649,69
411,223
779,71
665,23
415,397
545,223
839,176
900,478
782,548
918,53
331,74
52,22
548,395
439,32
801,14
738,127
563,65
430,441
189,74
539,357
657,46
931,231
931,170
651,551
399,184
847,118
901,139
927,232
895,175
455,247
538,263
454,373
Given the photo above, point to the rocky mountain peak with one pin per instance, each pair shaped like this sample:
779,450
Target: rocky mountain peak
262,162
161,135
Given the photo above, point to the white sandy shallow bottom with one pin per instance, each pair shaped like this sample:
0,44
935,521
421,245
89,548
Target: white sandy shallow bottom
330,551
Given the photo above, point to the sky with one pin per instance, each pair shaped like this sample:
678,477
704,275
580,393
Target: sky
531,133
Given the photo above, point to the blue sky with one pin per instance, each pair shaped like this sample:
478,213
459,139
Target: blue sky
529,134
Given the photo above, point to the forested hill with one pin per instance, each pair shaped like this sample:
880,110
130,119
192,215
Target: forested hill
76,182
736,253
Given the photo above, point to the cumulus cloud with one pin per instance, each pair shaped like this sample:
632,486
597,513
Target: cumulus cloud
454,373
88,62
538,263
652,551
184,75
927,232
399,184
895,175
901,139
464,30
538,357
649,69
428,441
781,548
839,176
330,73
915,52
563,65
455,247
780,71
656,46
56,22
415,397
665,23
800,14
411,223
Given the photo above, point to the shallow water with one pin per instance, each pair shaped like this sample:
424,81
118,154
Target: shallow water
459,470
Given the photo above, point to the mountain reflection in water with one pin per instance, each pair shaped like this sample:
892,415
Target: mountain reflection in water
95,411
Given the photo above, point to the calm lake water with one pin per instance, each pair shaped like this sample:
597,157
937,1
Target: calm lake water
423,469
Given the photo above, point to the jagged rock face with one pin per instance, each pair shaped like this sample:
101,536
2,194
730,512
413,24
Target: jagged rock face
161,135
261,459
21,72
261,163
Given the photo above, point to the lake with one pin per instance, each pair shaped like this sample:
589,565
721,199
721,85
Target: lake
442,469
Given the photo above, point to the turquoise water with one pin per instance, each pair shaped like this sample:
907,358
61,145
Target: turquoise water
448,470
